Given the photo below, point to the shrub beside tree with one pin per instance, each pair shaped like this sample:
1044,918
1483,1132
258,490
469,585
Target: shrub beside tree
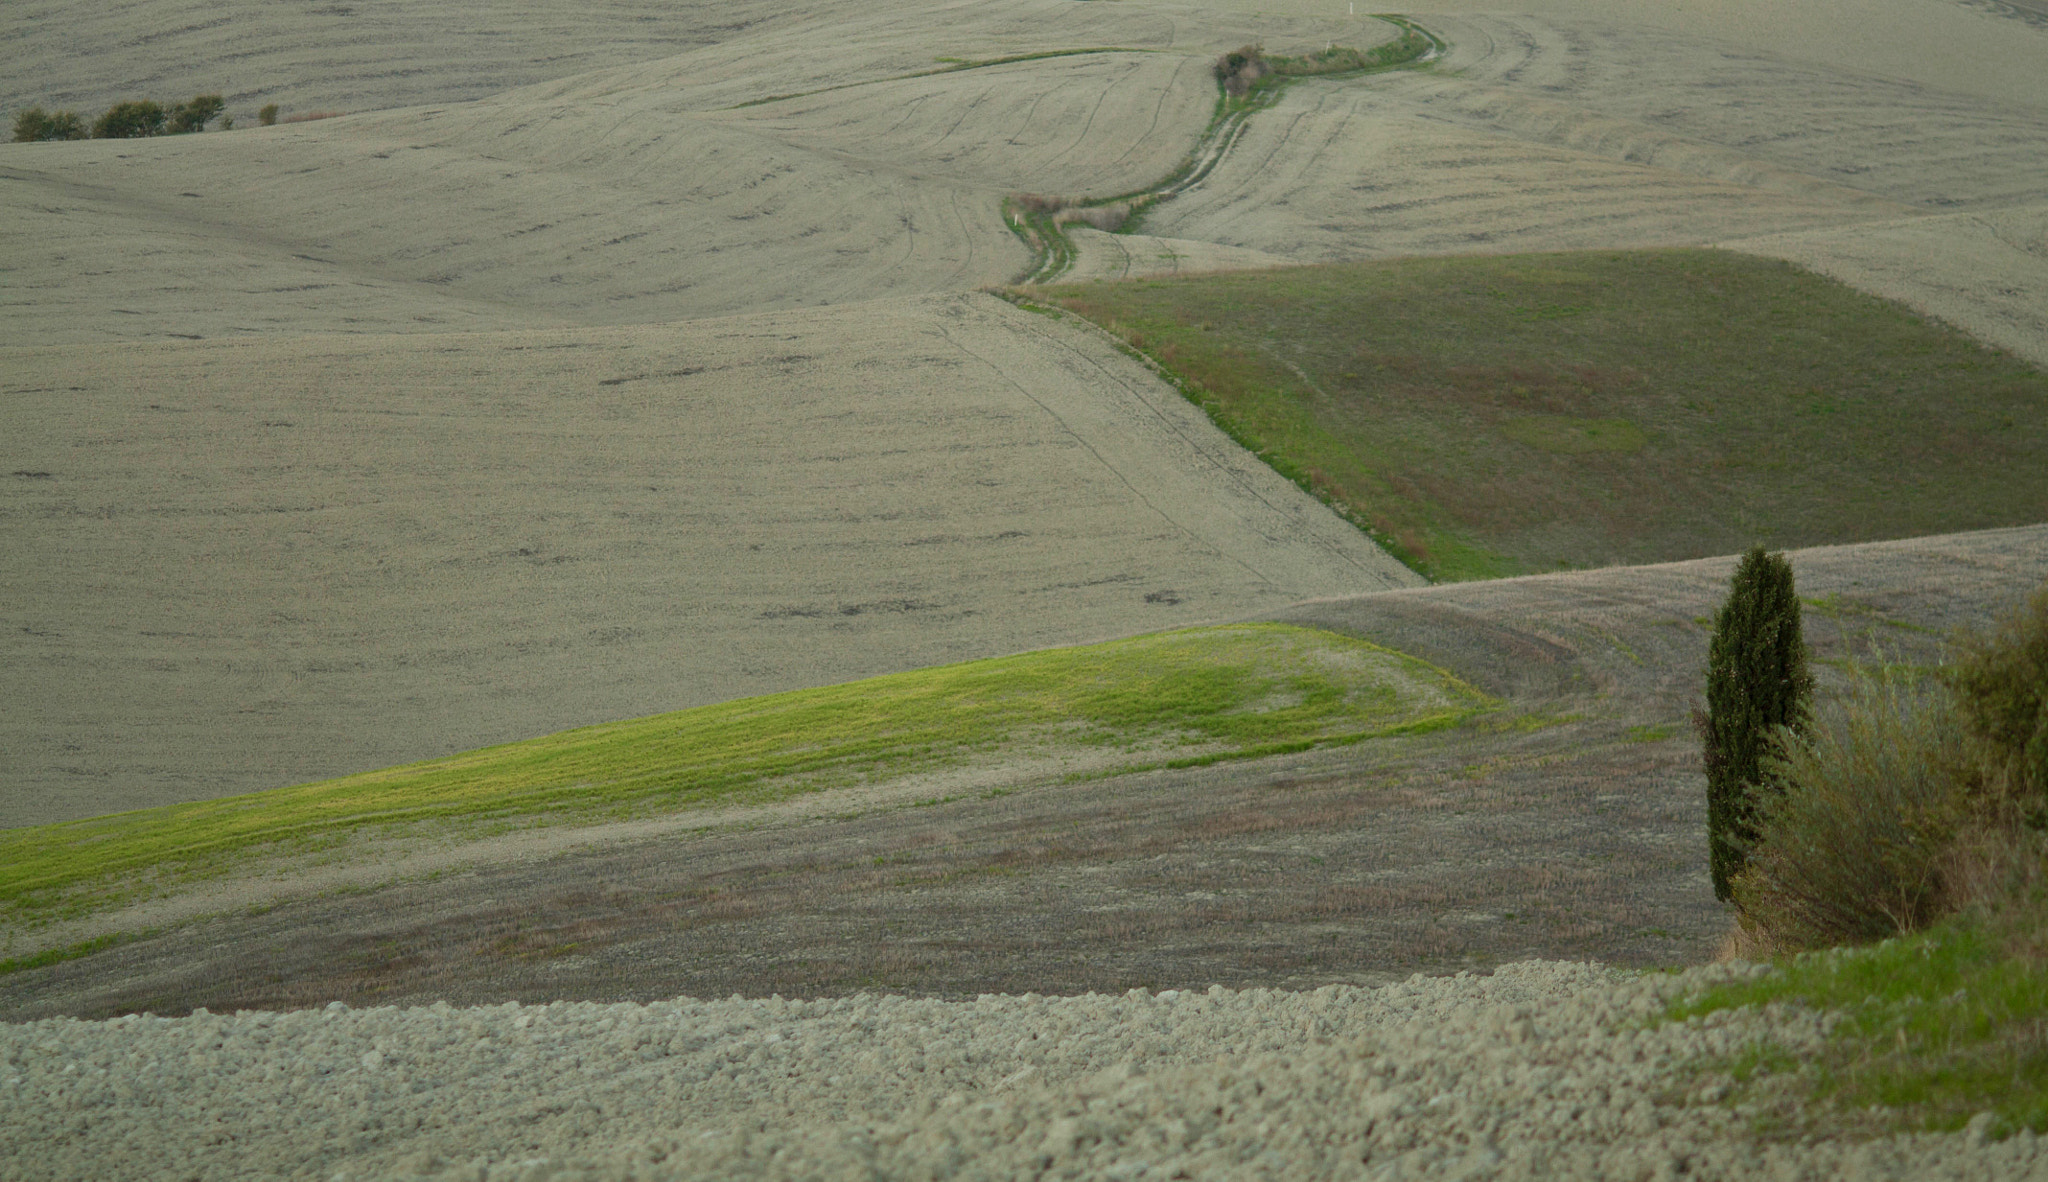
1862,813
1907,799
1757,681
2000,686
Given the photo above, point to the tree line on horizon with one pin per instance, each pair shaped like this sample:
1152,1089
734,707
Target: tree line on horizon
133,119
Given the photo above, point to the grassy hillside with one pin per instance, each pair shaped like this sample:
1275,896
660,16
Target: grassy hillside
1174,699
1505,415
1938,1028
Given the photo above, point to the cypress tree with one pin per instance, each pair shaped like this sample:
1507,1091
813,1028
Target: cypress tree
1757,679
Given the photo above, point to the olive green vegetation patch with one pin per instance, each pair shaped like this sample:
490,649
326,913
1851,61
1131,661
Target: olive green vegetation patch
1172,699
1938,1027
1500,415
1575,437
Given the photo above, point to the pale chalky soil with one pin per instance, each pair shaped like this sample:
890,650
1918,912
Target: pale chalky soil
1541,1070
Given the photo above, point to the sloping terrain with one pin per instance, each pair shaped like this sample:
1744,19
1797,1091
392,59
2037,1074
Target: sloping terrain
620,203
1570,825
1984,272
722,161
606,359
633,194
321,555
1583,128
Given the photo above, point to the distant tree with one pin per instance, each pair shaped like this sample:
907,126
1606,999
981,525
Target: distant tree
37,124
267,116
1240,68
195,115
128,121
1757,680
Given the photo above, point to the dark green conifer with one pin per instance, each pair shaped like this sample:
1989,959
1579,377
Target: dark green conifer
1757,680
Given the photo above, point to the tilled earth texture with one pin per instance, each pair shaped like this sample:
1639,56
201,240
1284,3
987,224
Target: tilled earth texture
592,361
1539,1071
1570,823
1583,125
594,365
239,564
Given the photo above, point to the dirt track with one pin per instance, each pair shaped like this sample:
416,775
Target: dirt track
1580,837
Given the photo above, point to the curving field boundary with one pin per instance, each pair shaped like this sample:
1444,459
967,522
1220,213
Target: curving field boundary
1041,223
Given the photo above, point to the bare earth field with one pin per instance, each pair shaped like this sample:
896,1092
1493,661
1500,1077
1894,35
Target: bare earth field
629,194
327,554
600,360
1573,129
268,540
1568,828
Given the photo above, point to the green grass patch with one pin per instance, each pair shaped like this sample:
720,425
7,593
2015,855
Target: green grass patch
1938,1027
50,956
1847,613
1173,699
1500,415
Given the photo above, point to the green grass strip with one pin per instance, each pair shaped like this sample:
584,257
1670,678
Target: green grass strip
1938,1027
1175,698
1040,228
1500,415
50,956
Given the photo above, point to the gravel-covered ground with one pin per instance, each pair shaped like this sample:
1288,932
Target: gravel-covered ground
1542,1069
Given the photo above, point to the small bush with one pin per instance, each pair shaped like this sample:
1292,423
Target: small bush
1757,685
1240,69
1902,804
1859,828
36,124
1066,211
128,121
1107,218
310,116
2000,682
267,115
195,115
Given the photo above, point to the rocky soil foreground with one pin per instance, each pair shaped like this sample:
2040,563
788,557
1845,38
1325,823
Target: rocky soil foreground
1576,828
1542,1070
